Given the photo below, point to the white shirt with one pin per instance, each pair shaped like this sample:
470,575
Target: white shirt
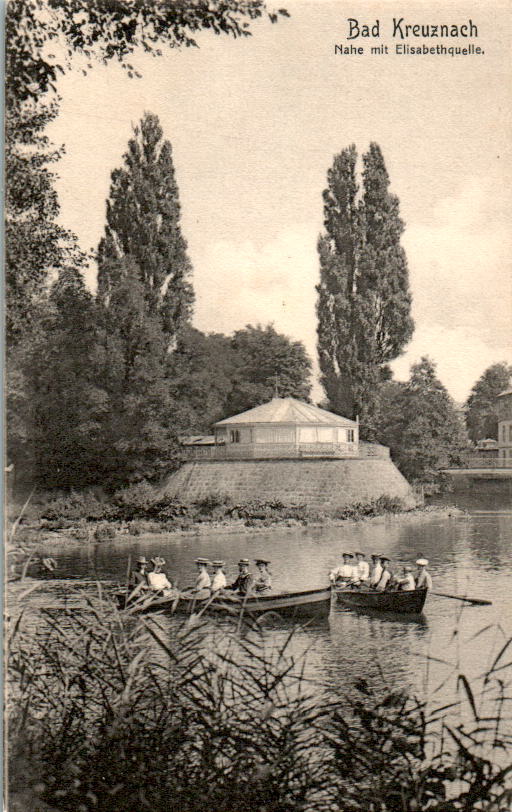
363,570
383,580
407,583
423,580
376,573
203,580
158,581
218,581
345,571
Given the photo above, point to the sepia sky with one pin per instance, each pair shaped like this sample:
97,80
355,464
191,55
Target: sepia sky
255,124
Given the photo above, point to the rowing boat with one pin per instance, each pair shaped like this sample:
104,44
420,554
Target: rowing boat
291,604
410,603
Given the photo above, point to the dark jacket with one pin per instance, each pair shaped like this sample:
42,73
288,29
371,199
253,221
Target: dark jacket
242,584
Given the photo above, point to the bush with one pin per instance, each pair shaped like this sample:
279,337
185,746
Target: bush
104,532
135,501
77,506
213,504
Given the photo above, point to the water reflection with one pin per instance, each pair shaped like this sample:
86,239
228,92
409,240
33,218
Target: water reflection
469,554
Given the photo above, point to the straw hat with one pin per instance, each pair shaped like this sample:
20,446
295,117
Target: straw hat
244,561
262,561
203,561
359,553
157,561
348,555
218,563
142,559
422,562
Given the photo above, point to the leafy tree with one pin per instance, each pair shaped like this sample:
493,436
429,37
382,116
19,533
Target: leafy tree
200,373
61,405
143,222
42,37
110,30
420,423
363,302
266,359
140,434
481,411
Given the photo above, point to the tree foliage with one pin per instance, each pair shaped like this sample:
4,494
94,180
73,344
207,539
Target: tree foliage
111,30
140,439
201,371
143,223
420,423
214,376
481,410
60,401
266,360
363,305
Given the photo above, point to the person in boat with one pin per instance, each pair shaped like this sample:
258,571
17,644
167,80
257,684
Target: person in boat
263,580
406,583
362,567
375,571
423,578
346,574
218,577
244,582
203,581
386,578
157,579
138,580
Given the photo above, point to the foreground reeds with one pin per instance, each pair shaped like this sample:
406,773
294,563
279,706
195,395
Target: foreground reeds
117,713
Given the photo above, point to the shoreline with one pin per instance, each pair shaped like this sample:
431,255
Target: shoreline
44,538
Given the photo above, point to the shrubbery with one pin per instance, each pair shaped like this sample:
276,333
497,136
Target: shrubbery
110,713
139,504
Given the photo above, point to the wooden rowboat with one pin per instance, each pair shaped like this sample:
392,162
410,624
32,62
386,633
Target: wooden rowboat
410,603
290,604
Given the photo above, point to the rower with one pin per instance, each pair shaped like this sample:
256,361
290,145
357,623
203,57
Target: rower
218,578
345,574
244,581
203,580
386,575
157,579
406,584
362,567
263,581
375,571
138,577
423,577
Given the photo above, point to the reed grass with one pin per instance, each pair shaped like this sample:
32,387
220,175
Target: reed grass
110,711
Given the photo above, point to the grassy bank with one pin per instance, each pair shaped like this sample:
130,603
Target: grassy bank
138,511
109,713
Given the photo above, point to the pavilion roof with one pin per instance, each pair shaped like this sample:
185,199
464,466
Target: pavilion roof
288,410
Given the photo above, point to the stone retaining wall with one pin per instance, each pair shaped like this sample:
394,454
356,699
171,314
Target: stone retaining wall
325,484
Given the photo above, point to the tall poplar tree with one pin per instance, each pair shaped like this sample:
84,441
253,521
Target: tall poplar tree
143,224
364,301
139,440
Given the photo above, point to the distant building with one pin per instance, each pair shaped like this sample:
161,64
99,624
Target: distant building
290,424
282,428
487,448
504,401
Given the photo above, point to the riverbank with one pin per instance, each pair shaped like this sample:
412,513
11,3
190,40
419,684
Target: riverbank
32,537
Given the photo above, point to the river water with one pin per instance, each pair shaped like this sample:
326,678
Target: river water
469,554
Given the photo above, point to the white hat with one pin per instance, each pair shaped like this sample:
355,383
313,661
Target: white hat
422,562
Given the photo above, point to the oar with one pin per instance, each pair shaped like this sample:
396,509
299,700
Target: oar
477,601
